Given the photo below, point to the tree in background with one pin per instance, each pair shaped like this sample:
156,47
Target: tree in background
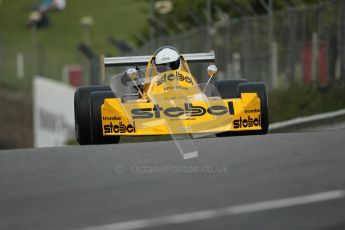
187,15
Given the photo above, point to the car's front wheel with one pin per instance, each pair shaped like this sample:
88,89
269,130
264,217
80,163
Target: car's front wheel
82,112
226,89
260,89
96,101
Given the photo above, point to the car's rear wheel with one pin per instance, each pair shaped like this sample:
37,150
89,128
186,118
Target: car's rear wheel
96,101
82,112
227,88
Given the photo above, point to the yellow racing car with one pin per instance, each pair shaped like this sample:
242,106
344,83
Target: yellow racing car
166,99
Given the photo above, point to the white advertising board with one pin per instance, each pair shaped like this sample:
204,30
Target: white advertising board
53,112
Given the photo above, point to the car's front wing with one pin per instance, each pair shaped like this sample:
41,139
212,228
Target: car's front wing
181,116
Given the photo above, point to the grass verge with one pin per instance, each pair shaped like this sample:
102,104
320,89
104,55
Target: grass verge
298,101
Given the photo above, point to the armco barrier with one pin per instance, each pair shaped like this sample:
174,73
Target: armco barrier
305,123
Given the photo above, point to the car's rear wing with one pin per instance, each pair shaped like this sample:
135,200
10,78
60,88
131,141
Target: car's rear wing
143,60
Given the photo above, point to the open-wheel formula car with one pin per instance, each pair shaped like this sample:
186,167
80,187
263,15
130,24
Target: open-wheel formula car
166,99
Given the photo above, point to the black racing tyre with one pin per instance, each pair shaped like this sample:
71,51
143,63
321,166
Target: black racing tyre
96,101
260,89
82,112
227,88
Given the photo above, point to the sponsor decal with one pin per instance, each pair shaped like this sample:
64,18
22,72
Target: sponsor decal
52,122
113,118
252,110
174,112
173,77
247,122
175,87
183,119
119,128
165,59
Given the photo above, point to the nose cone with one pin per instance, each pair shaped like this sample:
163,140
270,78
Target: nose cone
212,70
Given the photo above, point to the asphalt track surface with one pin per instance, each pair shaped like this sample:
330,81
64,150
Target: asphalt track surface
248,182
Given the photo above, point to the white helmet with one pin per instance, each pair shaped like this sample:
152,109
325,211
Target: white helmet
167,59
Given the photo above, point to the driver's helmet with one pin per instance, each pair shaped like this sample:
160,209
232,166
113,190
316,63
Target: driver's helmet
167,59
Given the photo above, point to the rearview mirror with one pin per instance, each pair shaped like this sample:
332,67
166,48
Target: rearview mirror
212,70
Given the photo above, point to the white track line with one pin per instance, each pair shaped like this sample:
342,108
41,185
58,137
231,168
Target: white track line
215,213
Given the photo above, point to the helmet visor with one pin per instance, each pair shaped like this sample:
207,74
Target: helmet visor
168,66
